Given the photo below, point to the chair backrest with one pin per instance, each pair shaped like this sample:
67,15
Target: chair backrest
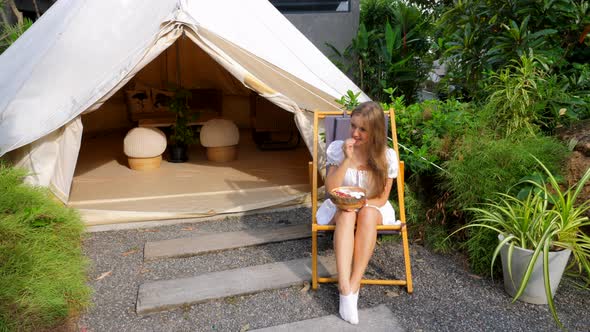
337,127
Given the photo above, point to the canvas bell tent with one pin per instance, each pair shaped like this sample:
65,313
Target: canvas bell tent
65,107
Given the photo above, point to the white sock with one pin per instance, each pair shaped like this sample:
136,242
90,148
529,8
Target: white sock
344,299
348,309
354,317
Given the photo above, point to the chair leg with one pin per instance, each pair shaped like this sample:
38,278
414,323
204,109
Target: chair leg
407,260
314,259
310,173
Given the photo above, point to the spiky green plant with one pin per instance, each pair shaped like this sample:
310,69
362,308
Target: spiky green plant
548,219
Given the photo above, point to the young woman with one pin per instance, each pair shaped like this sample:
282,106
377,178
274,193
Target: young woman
363,160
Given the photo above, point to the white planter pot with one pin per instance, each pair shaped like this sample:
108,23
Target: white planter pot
535,290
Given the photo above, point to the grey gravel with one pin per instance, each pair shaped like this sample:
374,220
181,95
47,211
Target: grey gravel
447,297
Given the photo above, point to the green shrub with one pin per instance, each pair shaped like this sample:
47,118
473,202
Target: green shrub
42,268
525,98
516,104
484,166
480,36
430,130
414,209
390,48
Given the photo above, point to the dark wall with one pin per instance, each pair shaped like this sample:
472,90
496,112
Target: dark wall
321,27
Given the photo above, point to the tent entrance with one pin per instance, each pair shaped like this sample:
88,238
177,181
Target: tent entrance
106,190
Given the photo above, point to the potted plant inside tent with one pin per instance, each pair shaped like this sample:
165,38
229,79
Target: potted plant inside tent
182,134
537,235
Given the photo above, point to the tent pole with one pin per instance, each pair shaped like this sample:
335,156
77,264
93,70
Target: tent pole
178,77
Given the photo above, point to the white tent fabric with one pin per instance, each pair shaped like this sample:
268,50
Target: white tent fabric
80,52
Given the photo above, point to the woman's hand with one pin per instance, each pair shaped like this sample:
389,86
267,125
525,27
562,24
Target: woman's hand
348,148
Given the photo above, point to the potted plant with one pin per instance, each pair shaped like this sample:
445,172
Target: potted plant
537,235
182,134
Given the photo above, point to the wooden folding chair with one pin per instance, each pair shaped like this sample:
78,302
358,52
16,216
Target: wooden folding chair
315,228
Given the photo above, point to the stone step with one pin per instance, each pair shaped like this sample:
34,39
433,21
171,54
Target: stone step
375,319
184,247
167,294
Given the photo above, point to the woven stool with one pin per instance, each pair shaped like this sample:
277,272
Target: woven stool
221,138
144,147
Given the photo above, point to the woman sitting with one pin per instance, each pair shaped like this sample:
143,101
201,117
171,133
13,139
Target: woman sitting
364,160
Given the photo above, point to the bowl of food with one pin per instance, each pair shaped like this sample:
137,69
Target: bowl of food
348,198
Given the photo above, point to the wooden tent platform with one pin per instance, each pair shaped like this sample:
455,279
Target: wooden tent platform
106,190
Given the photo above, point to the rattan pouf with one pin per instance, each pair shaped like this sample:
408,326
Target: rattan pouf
221,138
144,147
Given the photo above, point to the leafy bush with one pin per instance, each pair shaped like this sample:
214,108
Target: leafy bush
481,36
483,166
429,131
389,49
526,98
516,103
42,268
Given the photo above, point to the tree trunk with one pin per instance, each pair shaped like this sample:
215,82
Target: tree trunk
16,12
36,8
3,13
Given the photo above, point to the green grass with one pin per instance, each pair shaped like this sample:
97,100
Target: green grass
42,268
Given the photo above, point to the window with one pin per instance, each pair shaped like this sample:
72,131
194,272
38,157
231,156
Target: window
301,6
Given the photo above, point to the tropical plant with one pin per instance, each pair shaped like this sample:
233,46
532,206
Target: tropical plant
577,84
182,134
548,219
387,49
483,35
516,40
515,102
527,97
428,131
349,101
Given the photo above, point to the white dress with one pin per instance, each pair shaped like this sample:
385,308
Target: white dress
358,178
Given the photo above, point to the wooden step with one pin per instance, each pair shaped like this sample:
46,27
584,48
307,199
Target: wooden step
185,247
168,294
375,319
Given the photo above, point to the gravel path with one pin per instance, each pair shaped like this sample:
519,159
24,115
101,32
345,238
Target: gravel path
447,297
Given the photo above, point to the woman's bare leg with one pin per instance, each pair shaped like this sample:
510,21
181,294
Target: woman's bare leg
364,243
344,247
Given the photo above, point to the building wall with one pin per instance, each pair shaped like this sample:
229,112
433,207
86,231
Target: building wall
337,28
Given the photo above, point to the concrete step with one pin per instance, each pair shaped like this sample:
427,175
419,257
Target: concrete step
184,247
375,319
167,294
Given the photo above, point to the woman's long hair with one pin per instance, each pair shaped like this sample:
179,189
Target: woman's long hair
377,162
